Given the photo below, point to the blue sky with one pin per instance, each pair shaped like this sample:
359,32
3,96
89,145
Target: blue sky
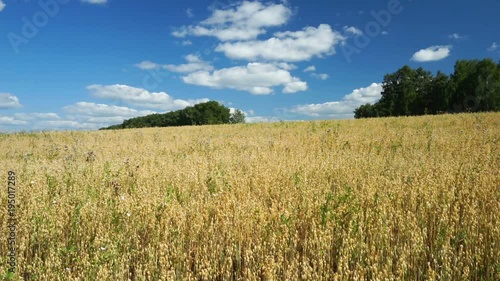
82,65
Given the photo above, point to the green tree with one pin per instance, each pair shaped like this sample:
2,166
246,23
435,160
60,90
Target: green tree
473,86
209,113
237,117
399,92
436,99
366,111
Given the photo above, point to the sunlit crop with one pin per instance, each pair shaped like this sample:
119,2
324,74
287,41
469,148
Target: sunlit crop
381,199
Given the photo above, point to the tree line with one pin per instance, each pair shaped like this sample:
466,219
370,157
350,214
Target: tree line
209,113
474,86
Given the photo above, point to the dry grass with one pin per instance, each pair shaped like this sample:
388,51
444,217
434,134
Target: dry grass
386,199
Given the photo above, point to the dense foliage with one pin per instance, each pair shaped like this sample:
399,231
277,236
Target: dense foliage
473,87
209,113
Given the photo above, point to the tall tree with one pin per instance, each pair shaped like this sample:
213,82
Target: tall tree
400,91
473,86
436,99
237,117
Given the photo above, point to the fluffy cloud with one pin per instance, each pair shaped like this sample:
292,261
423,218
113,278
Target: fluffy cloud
2,5
311,68
246,21
147,65
286,46
98,2
370,94
140,97
434,53
256,78
343,108
8,101
79,116
353,30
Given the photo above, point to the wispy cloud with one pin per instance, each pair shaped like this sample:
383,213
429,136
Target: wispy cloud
321,76
353,30
36,116
11,121
2,5
311,68
194,63
104,110
9,101
434,53
147,65
493,47
456,36
98,2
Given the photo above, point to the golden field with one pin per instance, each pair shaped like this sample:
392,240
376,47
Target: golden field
381,199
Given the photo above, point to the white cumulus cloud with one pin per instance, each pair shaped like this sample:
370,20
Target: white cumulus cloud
311,68
434,53
286,46
353,30
2,5
343,108
147,65
255,78
244,21
141,97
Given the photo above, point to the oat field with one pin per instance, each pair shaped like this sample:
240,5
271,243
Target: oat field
381,199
